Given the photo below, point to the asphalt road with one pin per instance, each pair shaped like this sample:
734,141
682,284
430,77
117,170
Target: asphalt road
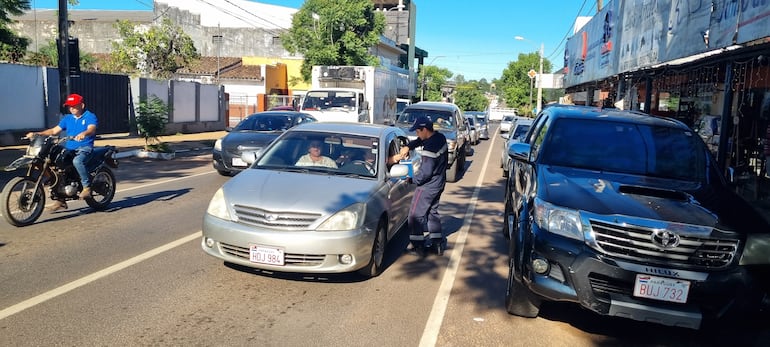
135,275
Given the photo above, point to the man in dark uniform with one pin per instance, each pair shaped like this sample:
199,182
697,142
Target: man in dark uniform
430,180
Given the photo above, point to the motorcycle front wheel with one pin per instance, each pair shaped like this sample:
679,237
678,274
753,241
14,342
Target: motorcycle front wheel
102,188
22,201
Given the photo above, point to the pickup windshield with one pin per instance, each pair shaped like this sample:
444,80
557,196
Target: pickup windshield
637,149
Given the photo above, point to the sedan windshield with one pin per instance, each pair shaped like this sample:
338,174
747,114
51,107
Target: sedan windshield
323,153
625,148
265,123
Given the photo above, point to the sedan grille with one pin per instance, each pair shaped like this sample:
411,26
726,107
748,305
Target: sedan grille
289,258
274,220
635,242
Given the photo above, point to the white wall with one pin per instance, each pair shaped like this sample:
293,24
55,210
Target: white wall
22,97
184,105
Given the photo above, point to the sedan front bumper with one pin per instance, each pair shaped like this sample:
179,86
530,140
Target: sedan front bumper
304,251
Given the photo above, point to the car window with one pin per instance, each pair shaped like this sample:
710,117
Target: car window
625,148
520,131
441,119
265,123
343,154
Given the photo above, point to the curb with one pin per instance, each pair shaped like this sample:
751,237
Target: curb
140,153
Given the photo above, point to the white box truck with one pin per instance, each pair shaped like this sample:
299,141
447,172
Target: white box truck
364,94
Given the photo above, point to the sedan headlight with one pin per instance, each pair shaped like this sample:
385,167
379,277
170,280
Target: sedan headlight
347,219
452,145
757,250
558,220
218,145
218,206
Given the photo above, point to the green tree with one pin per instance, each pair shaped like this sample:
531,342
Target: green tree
334,32
151,123
48,55
515,85
157,51
431,80
470,97
12,46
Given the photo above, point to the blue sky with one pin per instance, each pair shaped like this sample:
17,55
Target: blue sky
471,38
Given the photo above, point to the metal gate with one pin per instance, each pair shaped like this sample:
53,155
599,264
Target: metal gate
107,97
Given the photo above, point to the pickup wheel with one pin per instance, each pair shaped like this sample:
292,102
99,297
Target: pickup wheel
454,172
519,300
508,216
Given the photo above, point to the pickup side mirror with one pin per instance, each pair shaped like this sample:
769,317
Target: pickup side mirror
519,151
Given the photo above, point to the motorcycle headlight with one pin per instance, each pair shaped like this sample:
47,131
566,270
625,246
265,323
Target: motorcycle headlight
757,250
218,145
558,220
218,206
347,219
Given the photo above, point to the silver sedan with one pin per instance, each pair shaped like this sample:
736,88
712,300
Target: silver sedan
322,198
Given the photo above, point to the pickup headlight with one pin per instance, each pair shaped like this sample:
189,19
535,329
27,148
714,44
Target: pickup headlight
218,145
218,206
757,250
558,220
346,219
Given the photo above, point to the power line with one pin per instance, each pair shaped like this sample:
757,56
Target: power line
569,31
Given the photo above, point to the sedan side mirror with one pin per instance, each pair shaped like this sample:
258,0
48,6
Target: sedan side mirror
249,157
399,171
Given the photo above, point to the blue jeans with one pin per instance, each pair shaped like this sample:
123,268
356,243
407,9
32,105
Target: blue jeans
79,161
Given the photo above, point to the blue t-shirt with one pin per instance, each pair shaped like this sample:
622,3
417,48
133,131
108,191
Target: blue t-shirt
74,126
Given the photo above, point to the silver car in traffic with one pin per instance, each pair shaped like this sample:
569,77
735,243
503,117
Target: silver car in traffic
330,217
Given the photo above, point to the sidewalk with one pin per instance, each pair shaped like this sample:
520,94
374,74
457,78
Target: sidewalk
129,145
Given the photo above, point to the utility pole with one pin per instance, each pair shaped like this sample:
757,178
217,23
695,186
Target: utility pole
540,82
63,51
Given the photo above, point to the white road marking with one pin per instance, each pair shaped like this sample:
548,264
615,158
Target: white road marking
164,182
109,270
433,326
95,276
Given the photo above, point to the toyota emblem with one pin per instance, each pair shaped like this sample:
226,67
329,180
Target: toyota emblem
665,239
273,218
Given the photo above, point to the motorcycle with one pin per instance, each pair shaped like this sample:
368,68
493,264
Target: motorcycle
49,164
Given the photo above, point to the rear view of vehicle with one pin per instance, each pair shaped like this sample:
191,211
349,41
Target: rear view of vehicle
628,215
447,119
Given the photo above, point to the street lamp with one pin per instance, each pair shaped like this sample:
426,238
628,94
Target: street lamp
539,75
424,82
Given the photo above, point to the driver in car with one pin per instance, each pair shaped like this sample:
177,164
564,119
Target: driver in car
314,157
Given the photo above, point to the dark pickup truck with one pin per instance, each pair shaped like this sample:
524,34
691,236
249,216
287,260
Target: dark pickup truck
628,215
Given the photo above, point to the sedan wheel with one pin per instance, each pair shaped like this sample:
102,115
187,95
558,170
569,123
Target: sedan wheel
374,268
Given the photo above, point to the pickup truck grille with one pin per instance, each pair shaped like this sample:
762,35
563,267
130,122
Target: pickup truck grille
274,220
635,243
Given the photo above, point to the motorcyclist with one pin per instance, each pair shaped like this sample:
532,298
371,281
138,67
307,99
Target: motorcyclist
81,125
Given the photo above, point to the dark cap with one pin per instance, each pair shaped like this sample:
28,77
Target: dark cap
73,100
422,122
